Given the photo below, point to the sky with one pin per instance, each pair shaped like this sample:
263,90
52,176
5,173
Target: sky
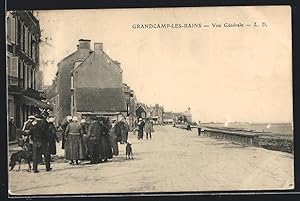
222,74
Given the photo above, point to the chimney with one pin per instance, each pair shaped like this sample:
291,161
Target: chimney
98,48
84,44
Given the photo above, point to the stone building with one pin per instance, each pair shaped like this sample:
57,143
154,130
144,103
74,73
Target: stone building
157,114
96,85
168,117
65,66
23,37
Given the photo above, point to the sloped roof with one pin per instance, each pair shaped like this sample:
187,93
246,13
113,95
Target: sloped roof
95,99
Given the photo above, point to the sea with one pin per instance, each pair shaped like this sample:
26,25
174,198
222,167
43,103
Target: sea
277,129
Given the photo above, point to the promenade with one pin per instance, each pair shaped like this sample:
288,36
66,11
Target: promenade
175,160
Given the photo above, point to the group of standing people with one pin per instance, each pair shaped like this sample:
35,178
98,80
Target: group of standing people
146,126
39,133
97,142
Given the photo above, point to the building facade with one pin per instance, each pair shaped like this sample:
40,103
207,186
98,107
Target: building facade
63,77
23,38
157,114
96,86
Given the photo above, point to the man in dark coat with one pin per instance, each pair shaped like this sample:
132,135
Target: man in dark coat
105,146
141,125
53,137
93,137
40,136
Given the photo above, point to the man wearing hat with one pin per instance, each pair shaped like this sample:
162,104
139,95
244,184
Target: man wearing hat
27,126
93,138
40,136
141,125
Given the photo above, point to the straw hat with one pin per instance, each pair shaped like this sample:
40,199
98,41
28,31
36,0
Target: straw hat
82,121
69,118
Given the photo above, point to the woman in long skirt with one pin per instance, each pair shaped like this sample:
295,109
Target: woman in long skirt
105,147
74,149
53,137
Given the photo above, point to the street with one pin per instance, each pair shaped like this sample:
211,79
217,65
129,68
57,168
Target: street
174,160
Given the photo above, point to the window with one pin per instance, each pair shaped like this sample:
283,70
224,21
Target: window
33,52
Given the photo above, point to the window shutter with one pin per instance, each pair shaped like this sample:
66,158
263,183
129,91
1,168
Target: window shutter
13,30
29,44
14,70
8,29
29,76
26,76
26,40
22,36
21,69
8,64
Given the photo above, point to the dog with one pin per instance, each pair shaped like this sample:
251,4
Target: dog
25,154
128,151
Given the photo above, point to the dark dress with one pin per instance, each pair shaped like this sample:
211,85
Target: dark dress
141,130
105,146
93,140
63,140
53,139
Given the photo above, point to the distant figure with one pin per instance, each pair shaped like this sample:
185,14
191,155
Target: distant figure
199,128
124,128
148,128
188,127
141,125
84,139
12,129
113,138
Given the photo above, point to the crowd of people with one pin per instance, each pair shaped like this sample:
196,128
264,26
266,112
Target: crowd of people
96,140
